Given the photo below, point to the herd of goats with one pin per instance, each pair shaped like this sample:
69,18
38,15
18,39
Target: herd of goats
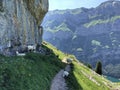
29,47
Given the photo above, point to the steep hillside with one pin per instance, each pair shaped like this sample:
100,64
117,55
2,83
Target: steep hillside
31,72
83,78
35,72
90,34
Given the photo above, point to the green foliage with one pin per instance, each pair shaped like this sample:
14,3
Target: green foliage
32,72
98,68
89,66
72,81
100,21
55,50
36,71
79,79
61,27
114,18
95,22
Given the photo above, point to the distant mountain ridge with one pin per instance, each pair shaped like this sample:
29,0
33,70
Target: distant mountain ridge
90,34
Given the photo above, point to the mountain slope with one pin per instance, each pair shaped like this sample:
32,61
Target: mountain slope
36,71
83,78
32,72
90,34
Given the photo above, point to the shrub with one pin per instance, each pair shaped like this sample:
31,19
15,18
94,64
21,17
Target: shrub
98,68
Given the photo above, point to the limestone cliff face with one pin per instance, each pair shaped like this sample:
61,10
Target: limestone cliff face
19,21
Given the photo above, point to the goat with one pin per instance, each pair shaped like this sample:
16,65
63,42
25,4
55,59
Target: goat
31,47
65,73
20,54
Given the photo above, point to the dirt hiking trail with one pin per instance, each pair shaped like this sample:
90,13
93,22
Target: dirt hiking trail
59,82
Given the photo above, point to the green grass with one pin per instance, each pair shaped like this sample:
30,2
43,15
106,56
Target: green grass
100,21
62,27
81,75
78,78
32,72
56,51
35,72
84,80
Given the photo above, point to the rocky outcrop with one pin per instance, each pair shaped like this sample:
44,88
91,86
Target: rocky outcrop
19,21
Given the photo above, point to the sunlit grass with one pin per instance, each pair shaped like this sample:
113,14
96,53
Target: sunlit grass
36,71
56,51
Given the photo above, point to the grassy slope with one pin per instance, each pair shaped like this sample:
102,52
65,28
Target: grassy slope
35,72
100,21
32,72
79,78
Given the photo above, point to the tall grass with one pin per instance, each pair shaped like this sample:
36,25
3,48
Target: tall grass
32,72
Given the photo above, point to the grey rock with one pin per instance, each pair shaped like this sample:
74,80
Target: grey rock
19,21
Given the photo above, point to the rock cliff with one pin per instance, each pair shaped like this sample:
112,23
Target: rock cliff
19,21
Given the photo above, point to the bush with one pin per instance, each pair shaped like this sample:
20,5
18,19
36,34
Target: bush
89,66
98,68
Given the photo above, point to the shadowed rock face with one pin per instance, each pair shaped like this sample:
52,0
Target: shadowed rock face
19,21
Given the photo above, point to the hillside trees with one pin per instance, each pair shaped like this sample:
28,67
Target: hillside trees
98,68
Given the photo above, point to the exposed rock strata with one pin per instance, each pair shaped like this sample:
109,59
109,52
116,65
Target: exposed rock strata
19,21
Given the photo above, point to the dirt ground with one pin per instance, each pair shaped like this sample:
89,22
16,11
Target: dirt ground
59,82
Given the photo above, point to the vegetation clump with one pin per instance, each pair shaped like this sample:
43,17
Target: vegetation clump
98,68
33,71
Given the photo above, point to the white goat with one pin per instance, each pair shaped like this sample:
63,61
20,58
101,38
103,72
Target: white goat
31,47
65,73
20,54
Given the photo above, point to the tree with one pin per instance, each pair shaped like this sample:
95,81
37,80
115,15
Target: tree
98,68
89,66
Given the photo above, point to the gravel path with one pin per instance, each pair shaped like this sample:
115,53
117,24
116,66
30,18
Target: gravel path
58,82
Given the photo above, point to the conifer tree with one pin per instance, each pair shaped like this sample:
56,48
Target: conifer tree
89,66
98,68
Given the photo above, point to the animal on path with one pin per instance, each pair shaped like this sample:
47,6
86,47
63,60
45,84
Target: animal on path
65,74
20,54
